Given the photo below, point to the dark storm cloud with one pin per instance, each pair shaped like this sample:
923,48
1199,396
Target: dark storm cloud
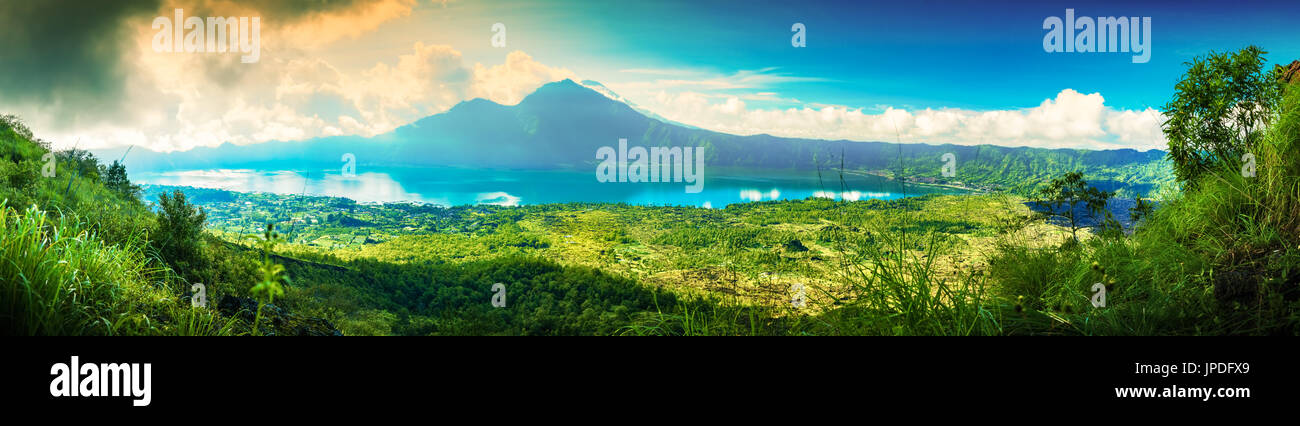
279,11
64,51
69,52
289,10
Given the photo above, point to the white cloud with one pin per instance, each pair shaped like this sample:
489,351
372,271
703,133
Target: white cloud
700,80
427,81
1071,119
659,71
721,102
178,102
510,82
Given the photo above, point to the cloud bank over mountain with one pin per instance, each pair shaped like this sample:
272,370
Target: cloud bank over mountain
1070,120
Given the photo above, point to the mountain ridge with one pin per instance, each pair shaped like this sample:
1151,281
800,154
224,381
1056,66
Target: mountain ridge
562,124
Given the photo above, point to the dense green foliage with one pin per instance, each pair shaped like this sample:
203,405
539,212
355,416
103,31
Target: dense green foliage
541,297
180,228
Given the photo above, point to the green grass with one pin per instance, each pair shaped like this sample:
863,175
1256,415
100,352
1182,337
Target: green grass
59,278
75,257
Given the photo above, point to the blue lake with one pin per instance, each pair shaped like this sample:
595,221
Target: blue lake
453,186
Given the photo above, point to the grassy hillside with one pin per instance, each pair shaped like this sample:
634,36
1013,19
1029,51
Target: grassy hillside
74,251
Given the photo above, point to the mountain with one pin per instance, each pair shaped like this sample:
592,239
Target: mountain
600,88
562,124
559,125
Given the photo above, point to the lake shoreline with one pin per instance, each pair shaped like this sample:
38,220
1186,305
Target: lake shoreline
456,187
881,174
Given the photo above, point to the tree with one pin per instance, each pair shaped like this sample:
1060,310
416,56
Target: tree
1069,191
81,162
114,178
178,239
1219,111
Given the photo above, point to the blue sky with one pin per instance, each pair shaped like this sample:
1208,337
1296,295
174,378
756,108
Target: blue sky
918,71
981,55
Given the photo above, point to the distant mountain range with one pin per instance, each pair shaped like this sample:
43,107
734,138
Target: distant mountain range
562,124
